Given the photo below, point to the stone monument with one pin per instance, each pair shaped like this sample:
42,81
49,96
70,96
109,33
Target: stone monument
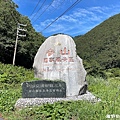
57,59
61,74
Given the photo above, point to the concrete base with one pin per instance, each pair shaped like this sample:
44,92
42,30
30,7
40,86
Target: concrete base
29,102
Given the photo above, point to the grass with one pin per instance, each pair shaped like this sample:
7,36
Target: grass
108,90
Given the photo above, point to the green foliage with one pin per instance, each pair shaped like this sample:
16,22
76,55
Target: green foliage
11,78
27,46
8,99
113,73
108,90
101,44
12,74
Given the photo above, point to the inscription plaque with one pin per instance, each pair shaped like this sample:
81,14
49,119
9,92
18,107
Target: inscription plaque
44,89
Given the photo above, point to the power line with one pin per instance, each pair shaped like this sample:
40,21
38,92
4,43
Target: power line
74,4
44,11
38,9
59,5
35,7
52,10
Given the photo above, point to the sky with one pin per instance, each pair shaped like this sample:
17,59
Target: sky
49,16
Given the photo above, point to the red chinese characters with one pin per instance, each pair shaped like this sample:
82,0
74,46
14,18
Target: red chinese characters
65,52
50,52
64,56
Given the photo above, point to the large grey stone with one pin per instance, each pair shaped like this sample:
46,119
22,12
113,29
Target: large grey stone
57,59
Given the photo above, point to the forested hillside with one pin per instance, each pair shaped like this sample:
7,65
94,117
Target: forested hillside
100,47
27,46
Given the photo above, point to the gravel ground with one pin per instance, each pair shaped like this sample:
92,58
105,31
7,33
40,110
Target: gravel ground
27,102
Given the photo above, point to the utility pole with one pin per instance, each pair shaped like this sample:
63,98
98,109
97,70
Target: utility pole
18,35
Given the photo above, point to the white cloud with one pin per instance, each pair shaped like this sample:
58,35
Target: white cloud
55,3
80,20
67,19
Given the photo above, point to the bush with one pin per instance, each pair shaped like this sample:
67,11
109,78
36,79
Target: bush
107,90
114,72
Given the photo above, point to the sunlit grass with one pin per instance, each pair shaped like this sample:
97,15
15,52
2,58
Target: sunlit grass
108,90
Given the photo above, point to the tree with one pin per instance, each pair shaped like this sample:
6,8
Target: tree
27,47
101,44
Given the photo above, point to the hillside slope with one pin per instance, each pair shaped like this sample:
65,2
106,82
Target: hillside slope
27,46
101,45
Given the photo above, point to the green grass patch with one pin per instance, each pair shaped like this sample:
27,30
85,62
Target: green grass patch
108,90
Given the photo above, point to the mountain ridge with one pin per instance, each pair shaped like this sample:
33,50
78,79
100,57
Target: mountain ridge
101,44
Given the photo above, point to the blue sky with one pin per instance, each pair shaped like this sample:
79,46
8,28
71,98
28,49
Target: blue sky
79,20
